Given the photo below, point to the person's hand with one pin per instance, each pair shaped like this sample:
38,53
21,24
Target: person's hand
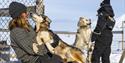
93,38
35,48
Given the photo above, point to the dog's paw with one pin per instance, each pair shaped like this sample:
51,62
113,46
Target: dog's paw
35,48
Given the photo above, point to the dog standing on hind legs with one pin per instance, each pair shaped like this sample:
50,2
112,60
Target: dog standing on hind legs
65,51
83,37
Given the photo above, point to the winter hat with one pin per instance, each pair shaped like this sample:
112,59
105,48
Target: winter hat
15,9
105,2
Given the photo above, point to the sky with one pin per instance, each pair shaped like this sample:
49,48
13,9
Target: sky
65,13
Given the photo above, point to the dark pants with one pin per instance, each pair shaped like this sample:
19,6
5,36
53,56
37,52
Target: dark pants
102,52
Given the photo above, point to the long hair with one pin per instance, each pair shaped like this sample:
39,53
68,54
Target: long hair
18,22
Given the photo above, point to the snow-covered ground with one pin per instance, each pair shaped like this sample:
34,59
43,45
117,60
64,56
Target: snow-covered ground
116,46
114,58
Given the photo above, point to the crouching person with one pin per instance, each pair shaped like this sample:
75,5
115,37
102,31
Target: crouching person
22,36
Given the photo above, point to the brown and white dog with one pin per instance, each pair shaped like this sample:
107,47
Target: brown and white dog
65,51
83,37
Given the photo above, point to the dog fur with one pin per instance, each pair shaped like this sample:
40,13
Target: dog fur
65,51
83,37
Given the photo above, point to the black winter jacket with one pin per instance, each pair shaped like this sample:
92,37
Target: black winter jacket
103,31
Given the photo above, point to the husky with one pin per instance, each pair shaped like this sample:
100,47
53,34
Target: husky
83,37
67,52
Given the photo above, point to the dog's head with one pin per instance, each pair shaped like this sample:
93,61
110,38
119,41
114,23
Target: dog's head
84,22
42,22
36,18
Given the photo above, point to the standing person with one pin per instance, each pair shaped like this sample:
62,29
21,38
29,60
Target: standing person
102,34
22,36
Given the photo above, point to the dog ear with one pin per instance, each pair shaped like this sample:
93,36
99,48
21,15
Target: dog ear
79,23
48,19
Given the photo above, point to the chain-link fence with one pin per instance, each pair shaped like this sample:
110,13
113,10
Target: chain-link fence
4,16
4,32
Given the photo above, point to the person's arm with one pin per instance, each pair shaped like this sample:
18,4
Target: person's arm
108,13
110,23
23,40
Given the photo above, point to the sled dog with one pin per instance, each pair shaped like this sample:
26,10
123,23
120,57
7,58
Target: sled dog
83,37
66,52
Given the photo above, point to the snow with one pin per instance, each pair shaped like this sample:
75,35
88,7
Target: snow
119,21
115,57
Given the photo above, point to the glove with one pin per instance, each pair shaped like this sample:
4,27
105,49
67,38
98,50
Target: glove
50,54
95,36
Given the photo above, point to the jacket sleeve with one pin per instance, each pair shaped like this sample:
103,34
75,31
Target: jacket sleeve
108,13
22,40
110,23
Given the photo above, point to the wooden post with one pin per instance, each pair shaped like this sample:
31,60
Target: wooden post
122,57
39,7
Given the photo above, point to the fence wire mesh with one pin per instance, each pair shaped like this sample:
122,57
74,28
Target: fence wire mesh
4,32
4,16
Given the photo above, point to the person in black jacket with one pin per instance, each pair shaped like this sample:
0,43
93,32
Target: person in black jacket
102,34
22,36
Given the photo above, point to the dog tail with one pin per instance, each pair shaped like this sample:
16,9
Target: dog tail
78,56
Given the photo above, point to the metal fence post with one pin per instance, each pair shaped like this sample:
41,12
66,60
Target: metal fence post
39,7
123,35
